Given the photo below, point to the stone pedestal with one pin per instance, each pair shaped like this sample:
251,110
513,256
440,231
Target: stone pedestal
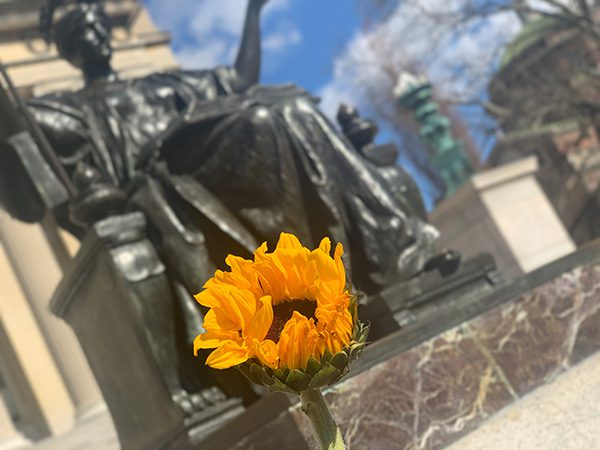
504,212
42,401
105,297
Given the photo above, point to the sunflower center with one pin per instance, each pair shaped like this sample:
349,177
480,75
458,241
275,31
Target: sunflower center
282,312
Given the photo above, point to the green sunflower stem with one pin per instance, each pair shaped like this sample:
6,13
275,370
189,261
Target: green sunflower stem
326,430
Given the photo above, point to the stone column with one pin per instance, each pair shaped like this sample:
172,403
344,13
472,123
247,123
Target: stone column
38,273
28,369
9,436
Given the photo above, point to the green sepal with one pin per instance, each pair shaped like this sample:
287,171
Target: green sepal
313,366
330,369
282,374
340,360
326,357
298,380
245,370
279,386
324,377
259,373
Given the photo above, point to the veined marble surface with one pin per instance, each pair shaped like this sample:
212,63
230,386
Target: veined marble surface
433,394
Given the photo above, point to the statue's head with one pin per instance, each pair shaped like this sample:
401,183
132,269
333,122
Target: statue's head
82,35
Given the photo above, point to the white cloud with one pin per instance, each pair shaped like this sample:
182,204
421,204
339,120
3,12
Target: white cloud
275,6
224,16
207,33
280,40
419,36
205,57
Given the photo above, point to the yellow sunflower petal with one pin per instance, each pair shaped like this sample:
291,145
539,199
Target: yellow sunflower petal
262,320
293,264
328,276
201,342
242,301
260,251
212,339
237,263
325,245
337,257
266,352
218,320
297,342
228,355
245,303
206,298
287,240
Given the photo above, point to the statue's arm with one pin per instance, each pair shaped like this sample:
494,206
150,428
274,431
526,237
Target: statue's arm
18,194
247,63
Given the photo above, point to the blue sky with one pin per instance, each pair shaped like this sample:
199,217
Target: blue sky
301,38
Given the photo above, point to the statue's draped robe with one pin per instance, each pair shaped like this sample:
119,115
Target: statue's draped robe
218,172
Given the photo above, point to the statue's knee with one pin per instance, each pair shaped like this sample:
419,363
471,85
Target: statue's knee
260,115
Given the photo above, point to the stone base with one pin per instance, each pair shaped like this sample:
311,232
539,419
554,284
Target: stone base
403,304
119,302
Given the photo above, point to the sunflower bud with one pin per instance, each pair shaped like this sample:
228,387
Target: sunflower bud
326,371
285,319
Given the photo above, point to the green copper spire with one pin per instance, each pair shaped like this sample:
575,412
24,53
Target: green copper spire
450,159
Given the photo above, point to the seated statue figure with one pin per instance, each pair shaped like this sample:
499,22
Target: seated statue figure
215,162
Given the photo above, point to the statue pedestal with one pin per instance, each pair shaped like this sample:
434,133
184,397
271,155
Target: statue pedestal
104,297
505,212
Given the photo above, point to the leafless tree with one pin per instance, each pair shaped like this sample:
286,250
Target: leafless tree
463,47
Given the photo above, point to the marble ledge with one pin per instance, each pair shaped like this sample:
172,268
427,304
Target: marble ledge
438,391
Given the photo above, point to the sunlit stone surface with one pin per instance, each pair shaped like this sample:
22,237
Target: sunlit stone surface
562,415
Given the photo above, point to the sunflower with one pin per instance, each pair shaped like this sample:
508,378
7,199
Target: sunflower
287,311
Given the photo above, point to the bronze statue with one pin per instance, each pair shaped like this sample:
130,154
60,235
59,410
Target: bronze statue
216,164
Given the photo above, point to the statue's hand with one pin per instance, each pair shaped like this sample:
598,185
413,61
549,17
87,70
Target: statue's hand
257,3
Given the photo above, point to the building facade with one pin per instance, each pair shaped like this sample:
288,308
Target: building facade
46,385
547,101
